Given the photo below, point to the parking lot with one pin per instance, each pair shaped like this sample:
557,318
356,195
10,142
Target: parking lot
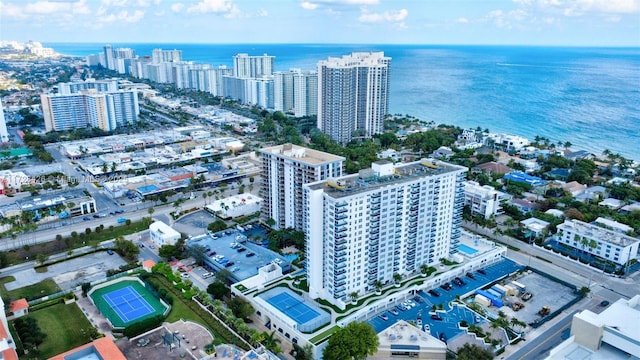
230,250
445,324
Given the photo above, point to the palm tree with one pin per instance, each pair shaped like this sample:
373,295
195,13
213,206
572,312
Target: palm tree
354,296
424,268
271,342
378,285
397,278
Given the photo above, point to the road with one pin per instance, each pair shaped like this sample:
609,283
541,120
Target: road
561,267
539,346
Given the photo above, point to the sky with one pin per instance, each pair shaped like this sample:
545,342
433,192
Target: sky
468,22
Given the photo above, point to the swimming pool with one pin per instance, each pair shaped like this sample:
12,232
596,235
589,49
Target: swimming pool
467,249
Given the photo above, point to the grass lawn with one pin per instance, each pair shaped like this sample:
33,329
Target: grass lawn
35,291
62,324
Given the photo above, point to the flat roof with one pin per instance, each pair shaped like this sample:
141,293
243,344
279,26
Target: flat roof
367,180
302,154
599,233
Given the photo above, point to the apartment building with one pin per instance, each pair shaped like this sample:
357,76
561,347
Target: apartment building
353,95
106,111
484,200
387,220
598,241
285,169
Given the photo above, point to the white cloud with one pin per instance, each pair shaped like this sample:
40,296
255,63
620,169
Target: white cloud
308,5
583,7
462,20
10,10
212,6
177,7
124,16
387,16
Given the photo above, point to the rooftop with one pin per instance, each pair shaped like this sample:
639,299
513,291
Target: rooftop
302,154
369,179
599,233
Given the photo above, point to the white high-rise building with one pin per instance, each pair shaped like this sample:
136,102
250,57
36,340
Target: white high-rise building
106,111
4,134
353,95
285,169
387,220
246,66
160,56
109,62
78,86
296,91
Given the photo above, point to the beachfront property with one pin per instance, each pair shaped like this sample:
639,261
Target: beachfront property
598,241
353,95
613,334
386,221
286,168
484,200
506,141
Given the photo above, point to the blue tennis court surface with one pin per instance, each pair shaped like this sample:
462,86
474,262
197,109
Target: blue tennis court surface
293,308
128,304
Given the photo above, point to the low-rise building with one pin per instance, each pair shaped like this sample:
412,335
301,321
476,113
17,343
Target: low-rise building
484,200
163,234
7,345
535,227
405,341
604,243
613,334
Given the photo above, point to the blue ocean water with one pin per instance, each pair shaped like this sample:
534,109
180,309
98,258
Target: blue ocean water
587,96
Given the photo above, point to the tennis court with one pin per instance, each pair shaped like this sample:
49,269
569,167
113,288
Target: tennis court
307,315
295,309
125,302
128,304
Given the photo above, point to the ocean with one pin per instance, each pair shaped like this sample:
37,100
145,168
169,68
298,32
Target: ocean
589,97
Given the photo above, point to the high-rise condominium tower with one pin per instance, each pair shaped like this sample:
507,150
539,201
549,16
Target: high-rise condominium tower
363,229
245,66
4,134
353,95
285,169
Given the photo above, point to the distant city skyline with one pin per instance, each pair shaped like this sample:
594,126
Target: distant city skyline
498,22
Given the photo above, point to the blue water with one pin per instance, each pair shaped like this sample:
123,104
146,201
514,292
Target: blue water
466,249
587,96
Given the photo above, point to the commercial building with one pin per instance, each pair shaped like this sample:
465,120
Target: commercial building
405,341
353,95
160,56
286,168
604,243
613,334
484,200
106,111
387,220
163,234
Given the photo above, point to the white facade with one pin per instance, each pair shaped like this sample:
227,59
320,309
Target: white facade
604,243
386,220
296,92
89,84
4,134
353,95
285,169
163,234
106,111
618,326
484,200
508,142
246,66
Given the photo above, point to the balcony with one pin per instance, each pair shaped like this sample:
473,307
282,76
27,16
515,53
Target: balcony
341,217
340,241
341,247
340,267
341,271
341,277
340,261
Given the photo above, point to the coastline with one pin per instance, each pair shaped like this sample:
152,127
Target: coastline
554,109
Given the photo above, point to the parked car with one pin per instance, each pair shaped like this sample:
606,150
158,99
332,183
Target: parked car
481,271
110,252
434,293
470,276
250,254
436,317
383,317
418,299
394,312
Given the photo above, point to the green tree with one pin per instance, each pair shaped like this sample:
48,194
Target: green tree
271,342
217,225
240,308
473,352
218,289
354,341
126,248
